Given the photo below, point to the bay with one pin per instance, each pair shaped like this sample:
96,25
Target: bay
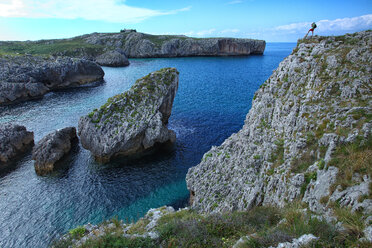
213,98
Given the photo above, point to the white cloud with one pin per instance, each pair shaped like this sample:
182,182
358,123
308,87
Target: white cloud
201,33
235,2
235,30
342,24
103,10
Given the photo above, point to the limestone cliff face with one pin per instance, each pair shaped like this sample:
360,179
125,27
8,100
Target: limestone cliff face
138,45
134,121
307,136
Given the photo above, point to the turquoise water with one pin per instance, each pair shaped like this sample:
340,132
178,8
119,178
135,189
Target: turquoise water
213,99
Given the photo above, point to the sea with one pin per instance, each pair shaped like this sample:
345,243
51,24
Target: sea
213,99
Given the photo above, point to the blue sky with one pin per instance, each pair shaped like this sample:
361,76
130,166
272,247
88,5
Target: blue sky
272,20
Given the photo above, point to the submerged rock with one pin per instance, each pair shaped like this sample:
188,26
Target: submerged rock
27,77
134,121
112,58
52,148
14,140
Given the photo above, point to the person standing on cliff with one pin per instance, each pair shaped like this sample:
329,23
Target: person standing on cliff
313,26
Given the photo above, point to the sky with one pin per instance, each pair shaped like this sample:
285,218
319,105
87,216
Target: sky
271,20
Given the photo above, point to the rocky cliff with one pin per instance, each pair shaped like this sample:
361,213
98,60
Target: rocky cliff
307,136
111,49
28,77
305,146
134,121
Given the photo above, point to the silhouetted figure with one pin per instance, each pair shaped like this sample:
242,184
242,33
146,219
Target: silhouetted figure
313,26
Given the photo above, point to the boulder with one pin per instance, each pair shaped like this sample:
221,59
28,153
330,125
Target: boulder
28,77
14,140
134,121
51,149
113,59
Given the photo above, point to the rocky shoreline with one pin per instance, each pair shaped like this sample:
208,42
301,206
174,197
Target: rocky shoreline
304,149
29,77
113,49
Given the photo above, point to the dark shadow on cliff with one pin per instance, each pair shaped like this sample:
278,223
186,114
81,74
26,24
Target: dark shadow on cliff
159,152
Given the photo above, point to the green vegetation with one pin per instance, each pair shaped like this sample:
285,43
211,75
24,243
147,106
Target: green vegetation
77,232
70,47
352,158
187,228
308,177
277,157
118,241
149,86
309,156
158,40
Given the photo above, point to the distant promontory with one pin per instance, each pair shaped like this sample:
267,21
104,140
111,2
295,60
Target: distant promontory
105,47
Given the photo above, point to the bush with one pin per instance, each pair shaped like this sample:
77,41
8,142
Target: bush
77,232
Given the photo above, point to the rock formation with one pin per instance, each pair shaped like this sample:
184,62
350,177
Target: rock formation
14,140
28,77
307,135
51,149
112,58
133,121
111,49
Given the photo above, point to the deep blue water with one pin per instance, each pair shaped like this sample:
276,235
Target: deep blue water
213,98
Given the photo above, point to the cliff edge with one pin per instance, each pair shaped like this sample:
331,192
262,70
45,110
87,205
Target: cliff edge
307,136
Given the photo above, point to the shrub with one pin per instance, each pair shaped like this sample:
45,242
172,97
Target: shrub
77,232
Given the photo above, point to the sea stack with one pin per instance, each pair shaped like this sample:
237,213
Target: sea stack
134,121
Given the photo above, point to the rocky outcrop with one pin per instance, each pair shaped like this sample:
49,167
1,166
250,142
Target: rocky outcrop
28,77
306,137
144,228
52,148
134,121
14,140
113,59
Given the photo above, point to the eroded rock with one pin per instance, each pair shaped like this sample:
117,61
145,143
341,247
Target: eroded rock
14,140
28,77
52,148
134,121
112,58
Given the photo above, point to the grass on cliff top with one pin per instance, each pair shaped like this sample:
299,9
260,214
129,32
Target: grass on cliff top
143,87
266,226
71,47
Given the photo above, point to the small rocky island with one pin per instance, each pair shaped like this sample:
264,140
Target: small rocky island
134,121
29,77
